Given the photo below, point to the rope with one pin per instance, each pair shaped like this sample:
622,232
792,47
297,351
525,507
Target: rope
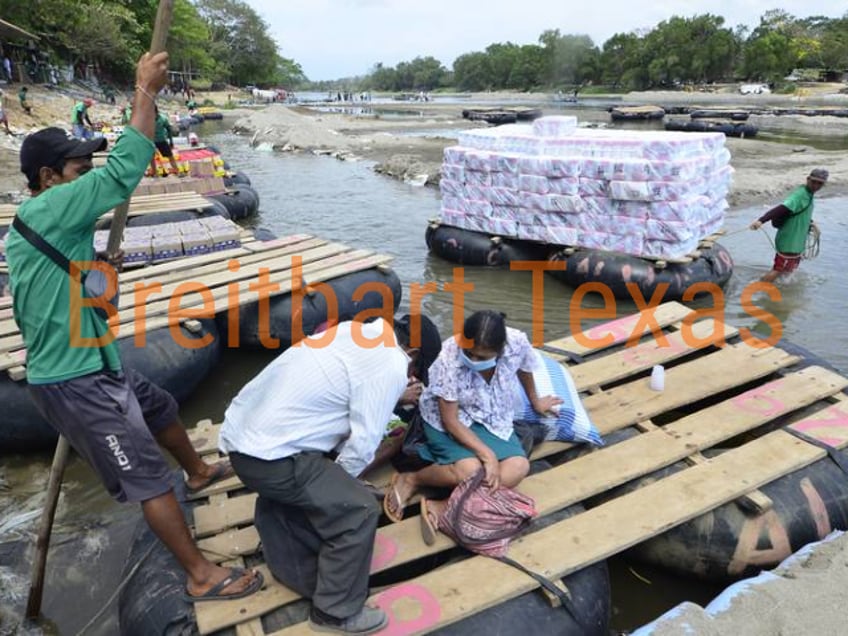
117,591
813,246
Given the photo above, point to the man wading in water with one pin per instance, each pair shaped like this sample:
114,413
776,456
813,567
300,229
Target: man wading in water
793,218
113,417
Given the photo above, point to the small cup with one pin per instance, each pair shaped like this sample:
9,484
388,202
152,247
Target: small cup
658,378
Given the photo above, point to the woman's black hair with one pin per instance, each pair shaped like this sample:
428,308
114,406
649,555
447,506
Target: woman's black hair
486,328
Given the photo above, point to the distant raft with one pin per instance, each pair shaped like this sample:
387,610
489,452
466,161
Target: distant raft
729,128
624,113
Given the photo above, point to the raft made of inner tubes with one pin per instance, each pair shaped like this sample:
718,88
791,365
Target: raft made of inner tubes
163,360
498,116
623,113
153,600
722,113
466,247
241,202
729,128
236,179
615,270
313,310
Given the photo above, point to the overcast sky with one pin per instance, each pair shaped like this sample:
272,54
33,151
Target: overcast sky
341,38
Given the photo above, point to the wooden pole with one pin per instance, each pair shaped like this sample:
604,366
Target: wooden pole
157,45
60,457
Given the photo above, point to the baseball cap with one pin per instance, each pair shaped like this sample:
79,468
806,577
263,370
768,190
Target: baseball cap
49,146
819,174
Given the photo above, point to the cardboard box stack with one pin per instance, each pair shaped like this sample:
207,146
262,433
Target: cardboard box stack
653,193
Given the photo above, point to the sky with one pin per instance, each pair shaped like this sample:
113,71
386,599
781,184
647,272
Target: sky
332,39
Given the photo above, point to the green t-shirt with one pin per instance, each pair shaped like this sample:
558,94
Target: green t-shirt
64,216
163,128
22,95
792,236
78,113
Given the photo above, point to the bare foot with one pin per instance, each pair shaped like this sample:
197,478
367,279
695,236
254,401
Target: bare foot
399,492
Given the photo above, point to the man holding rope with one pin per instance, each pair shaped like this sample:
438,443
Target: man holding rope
113,417
794,219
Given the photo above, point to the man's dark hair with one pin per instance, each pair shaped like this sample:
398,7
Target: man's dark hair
486,328
32,174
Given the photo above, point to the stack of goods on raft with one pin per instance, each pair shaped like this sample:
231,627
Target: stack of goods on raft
642,195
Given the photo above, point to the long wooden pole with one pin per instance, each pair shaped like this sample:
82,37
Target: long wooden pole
60,457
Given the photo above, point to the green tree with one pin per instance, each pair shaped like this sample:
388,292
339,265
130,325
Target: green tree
571,60
471,72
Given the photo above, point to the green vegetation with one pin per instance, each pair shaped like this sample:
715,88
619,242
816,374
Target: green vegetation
220,41
226,41
677,52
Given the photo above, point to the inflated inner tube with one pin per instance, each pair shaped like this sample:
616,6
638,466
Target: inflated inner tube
241,202
313,310
475,248
163,360
616,270
236,179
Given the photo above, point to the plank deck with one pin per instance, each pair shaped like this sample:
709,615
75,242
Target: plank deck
764,384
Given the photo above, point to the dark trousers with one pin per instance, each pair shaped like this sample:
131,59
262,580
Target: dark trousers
317,525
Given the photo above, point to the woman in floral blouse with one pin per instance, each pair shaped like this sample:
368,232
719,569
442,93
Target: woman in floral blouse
468,411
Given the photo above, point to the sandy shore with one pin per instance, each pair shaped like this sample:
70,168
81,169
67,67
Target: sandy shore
764,170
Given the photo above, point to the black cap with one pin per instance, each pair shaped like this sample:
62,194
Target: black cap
428,341
49,146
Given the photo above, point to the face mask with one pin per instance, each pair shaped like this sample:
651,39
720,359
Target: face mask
478,365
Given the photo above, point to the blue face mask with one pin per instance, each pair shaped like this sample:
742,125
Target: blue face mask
478,365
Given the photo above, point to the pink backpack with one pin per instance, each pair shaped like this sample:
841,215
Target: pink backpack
483,520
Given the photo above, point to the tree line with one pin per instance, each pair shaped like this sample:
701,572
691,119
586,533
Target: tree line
677,51
221,41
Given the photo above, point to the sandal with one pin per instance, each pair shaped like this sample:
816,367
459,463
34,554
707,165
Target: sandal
428,529
393,496
214,592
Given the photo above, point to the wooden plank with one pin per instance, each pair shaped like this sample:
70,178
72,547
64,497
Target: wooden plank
756,502
453,592
621,329
632,360
585,476
612,410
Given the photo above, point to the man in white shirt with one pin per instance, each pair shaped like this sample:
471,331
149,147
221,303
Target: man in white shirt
331,393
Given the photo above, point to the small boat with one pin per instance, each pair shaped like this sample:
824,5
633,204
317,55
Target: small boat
729,128
626,113
720,113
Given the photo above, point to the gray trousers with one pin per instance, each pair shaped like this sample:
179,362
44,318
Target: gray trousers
317,525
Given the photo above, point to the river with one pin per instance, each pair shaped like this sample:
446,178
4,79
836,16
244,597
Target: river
348,202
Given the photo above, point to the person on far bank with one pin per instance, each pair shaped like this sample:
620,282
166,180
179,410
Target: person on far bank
112,416
22,96
4,118
164,141
301,433
80,119
793,218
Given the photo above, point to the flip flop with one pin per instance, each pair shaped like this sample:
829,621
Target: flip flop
221,470
214,592
392,491
428,530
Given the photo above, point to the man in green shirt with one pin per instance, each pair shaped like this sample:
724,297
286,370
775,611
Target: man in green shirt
113,417
793,218
80,118
163,138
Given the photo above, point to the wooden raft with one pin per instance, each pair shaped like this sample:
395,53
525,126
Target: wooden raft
139,205
321,261
717,387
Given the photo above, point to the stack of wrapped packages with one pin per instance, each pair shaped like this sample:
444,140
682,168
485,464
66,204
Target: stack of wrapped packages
653,194
154,243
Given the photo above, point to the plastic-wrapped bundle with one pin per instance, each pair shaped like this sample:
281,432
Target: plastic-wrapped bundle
505,180
546,166
552,202
503,196
455,155
554,126
453,171
505,162
593,188
626,243
606,224
672,231
449,187
601,206
544,185
548,233
479,179
665,249
479,160
505,212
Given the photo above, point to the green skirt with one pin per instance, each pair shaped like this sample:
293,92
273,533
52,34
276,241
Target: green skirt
443,449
